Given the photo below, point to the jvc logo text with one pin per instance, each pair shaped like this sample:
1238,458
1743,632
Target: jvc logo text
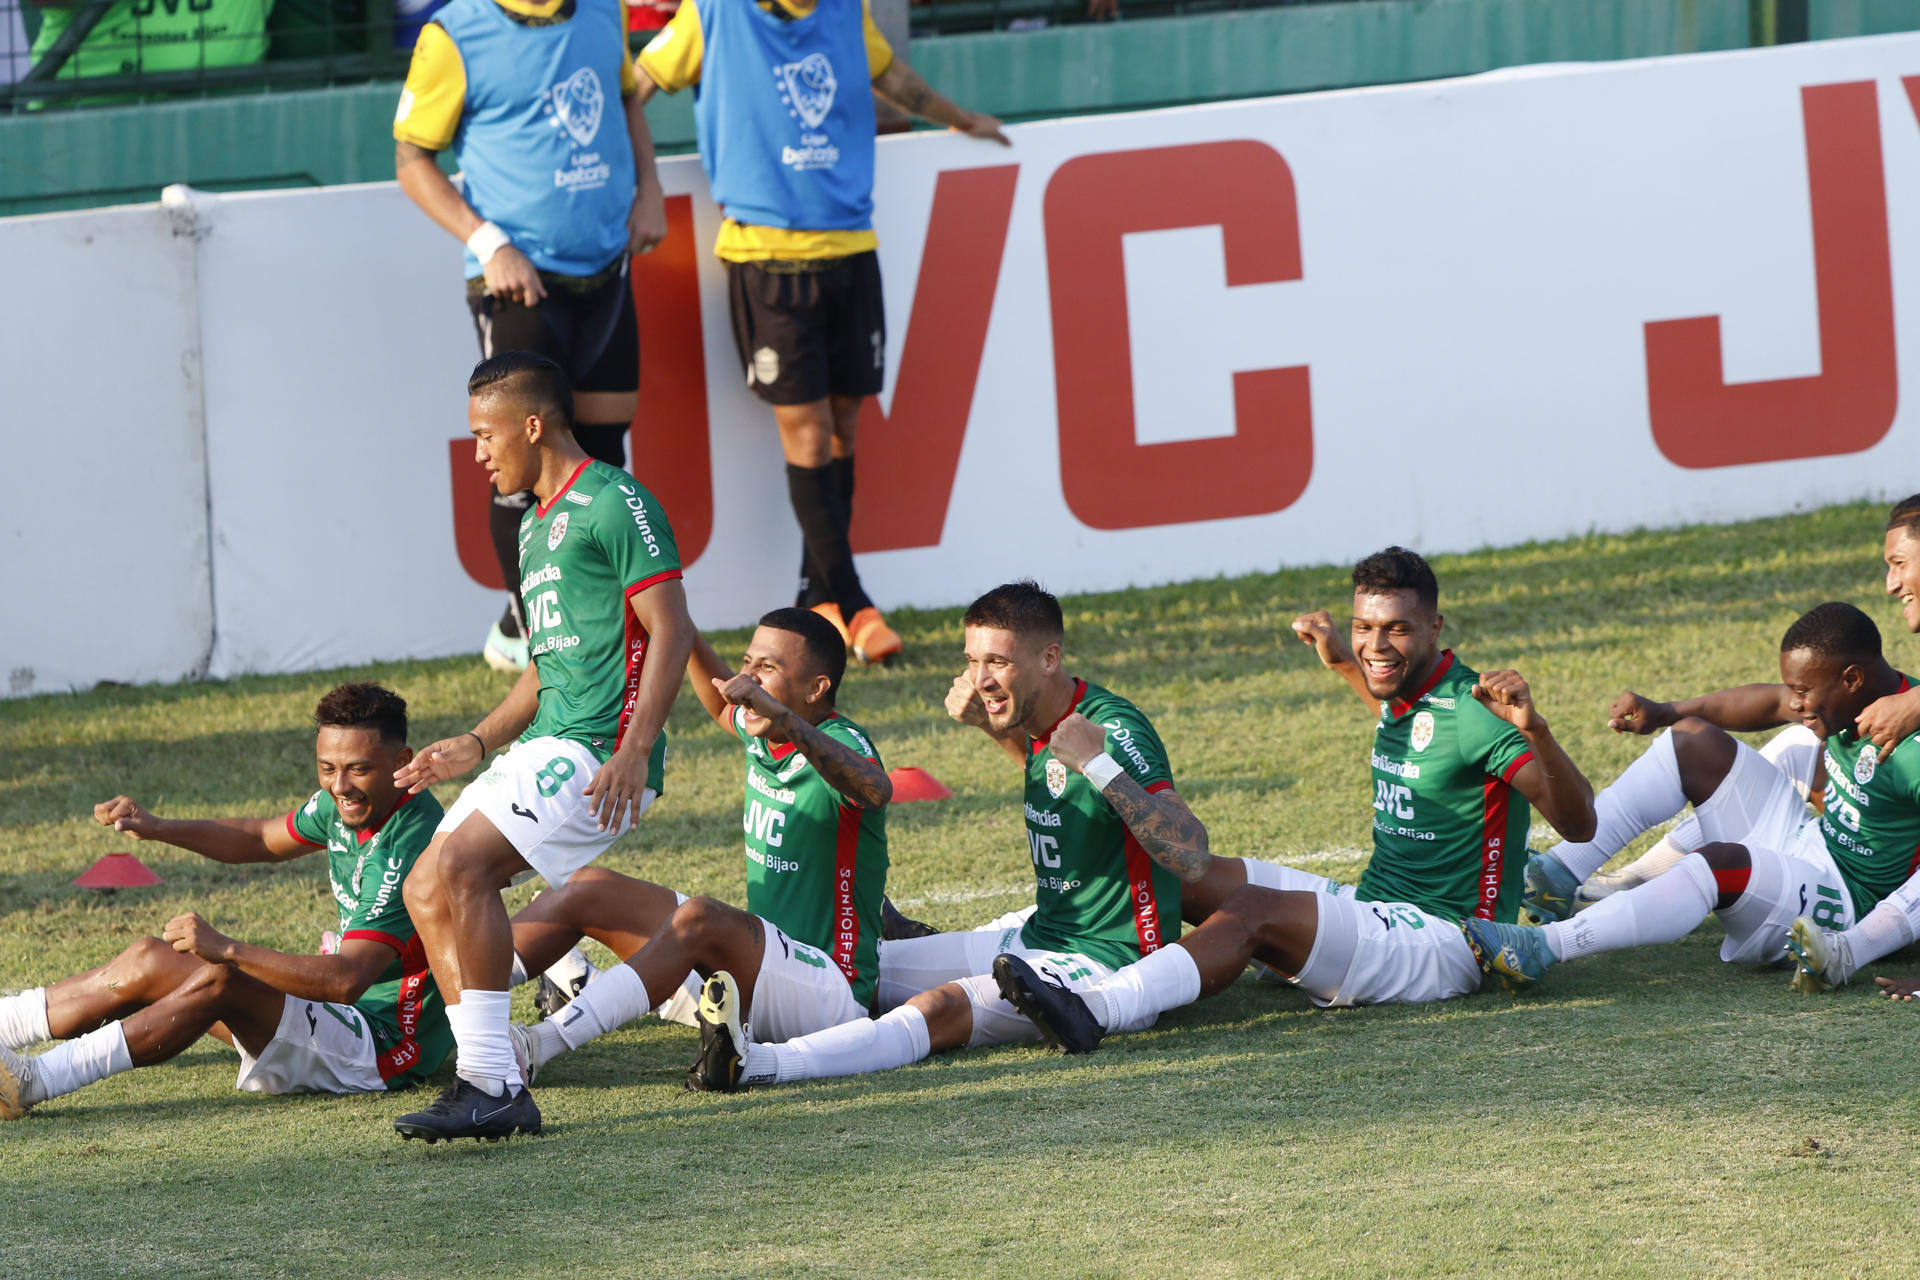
762,823
1043,849
1393,798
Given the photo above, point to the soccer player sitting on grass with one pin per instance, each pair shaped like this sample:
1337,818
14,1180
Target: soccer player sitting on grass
1764,864
600,581
1450,750
804,955
365,1017
1101,813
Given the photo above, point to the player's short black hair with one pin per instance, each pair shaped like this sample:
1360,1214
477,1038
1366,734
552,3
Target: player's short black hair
825,645
364,706
1835,631
1905,515
1024,608
1398,569
540,383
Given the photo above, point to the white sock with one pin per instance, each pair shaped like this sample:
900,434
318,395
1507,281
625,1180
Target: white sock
74,1064
23,1019
1662,858
1276,875
1145,989
615,1000
1643,797
479,1024
1885,930
1661,910
894,1039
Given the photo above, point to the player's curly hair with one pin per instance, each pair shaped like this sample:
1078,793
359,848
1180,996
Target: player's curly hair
1397,569
364,706
1905,515
1025,608
540,383
1835,631
825,645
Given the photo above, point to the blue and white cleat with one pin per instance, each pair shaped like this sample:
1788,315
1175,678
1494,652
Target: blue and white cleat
1549,892
504,653
1518,953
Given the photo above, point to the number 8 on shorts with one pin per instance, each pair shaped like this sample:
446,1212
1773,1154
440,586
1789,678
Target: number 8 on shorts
550,779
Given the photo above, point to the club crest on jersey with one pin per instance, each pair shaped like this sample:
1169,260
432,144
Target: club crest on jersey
1056,778
1864,766
557,531
578,102
1422,732
807,87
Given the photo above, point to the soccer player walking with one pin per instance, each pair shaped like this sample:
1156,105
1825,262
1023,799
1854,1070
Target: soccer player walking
600,584
789,158
559,191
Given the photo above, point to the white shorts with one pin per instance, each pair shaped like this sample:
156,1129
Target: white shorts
534,794
317,1048
1756,804
799,991
1799,880
1385,953
913,965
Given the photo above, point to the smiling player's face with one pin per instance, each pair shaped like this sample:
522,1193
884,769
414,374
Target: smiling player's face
779,662
500,443
1824,693
1009,673
356,769
1396,639
1903,573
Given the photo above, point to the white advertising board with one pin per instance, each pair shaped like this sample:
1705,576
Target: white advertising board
1133,349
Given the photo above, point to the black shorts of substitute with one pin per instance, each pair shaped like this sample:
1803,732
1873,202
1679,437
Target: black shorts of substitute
806,330
585,324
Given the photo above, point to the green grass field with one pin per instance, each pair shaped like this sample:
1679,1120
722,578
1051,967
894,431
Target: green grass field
1644,1113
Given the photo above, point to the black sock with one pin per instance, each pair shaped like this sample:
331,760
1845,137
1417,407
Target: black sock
823,526
813,578
503,523
604,441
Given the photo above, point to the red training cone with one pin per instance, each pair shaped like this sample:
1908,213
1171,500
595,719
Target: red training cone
117,871
910,784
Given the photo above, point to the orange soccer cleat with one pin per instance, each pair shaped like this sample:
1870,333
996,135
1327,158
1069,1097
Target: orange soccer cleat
831,612
872,639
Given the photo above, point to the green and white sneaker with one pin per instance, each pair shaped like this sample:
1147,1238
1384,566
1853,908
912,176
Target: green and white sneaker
1821,958
504,654
1518,953
1549,890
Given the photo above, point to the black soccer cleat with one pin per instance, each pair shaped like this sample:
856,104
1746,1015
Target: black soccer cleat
464,1110
1065,1022
723,1038
549,997
894,926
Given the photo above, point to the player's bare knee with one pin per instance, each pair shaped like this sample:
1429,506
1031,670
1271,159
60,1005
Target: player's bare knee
420,890
949,1013
470,873
702,919
142,960
1722,856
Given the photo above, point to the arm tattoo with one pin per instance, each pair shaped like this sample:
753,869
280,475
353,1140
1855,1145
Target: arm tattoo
1168,831
859,779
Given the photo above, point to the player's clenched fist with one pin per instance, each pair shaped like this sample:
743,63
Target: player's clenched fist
1076,741
1316,629
1506,694
1631,713
122,814
745,691
965,704
190,935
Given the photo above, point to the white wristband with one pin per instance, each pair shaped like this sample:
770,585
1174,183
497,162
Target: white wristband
1102,770
486,241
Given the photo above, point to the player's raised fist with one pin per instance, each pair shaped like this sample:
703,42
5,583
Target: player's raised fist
439,762
123,814
1889,721
1076,741
965,704
191,935
1631,713
745,691
1317,629
1506,694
